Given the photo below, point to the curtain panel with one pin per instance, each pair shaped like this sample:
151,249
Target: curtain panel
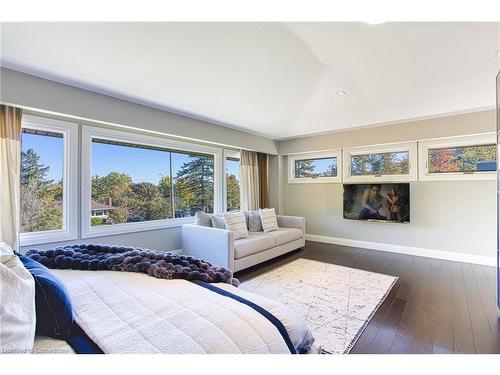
10,169
249,176
262,161
254,180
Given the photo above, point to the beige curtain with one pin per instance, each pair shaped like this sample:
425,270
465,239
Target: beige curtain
10,167
263,180
249,180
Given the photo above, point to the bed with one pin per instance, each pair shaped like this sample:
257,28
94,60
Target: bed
125,312
102,299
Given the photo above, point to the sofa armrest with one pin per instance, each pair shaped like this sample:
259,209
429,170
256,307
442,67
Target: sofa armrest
292,222
211,244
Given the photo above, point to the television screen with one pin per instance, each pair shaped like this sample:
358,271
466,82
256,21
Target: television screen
377,202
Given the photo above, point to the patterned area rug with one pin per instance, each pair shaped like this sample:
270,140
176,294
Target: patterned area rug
337,302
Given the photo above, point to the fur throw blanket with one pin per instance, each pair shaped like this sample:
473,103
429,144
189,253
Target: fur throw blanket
159,264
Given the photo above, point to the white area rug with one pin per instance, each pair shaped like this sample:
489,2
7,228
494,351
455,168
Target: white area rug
337,302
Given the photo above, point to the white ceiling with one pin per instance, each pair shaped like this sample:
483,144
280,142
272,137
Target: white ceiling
274,79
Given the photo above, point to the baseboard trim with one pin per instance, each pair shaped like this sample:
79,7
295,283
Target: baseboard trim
410,250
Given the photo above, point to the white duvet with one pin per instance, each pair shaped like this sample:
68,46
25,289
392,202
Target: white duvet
126,312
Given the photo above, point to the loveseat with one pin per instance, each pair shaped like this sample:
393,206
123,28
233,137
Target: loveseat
219,247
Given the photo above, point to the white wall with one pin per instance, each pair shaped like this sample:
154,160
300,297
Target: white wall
162,239
452,216
457,218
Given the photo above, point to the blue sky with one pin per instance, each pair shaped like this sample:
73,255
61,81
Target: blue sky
140,164
50,150
321,165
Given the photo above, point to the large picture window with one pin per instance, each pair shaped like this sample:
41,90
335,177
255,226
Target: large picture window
314,168
390,163
48,176
136,182
458,158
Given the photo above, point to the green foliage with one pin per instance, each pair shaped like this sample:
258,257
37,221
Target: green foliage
144,201
460,159
233,193
388,163
115,185
165,187
194,185
304,168
97,221
307,168
41,199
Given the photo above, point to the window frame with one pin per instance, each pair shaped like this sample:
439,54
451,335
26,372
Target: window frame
69,231
234,155
449,142
316,155
89,132
410,147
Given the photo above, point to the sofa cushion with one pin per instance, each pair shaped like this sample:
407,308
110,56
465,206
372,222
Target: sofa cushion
254,243
203,219
254,222
218,222
268,219
235,222
282,236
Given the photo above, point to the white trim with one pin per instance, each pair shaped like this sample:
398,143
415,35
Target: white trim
317,155
469,140
410,250
88,133
410,147
69,230
227,154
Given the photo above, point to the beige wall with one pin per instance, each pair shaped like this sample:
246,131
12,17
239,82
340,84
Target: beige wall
470,123
25,90
453,216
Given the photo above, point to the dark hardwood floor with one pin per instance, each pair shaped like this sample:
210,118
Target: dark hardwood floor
436,306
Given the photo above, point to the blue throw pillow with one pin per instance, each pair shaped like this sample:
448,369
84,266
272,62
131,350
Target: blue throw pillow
54,312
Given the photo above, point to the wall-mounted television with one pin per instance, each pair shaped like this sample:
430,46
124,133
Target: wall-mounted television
377,202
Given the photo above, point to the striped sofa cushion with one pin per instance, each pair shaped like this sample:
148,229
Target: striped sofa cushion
235,222
268,218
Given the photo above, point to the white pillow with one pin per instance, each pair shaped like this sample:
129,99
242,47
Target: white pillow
268,219
235,222
17,309
5,249
218,222
203,219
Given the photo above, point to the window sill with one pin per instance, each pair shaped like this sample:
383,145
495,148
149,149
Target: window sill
40,238
379,179
111,230
319,180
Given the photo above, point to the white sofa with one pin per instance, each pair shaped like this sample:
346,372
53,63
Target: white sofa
218,246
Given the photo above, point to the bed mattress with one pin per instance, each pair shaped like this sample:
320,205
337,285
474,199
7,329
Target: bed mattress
124,312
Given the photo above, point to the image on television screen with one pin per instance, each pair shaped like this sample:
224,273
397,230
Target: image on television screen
377,202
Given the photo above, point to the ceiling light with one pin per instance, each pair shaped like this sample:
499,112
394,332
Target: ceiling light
341,93
375,22
497,53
